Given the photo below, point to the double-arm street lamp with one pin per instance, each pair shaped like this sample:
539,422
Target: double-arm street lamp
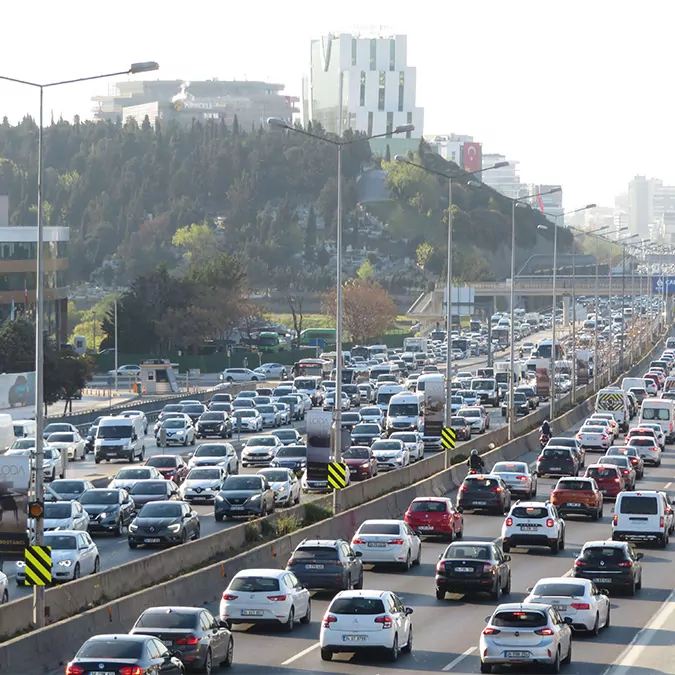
622,241
450,177
339,144
144,67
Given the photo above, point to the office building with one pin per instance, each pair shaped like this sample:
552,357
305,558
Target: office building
641,205
460,149
505,179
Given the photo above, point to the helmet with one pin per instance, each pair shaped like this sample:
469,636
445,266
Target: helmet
474,452
544,422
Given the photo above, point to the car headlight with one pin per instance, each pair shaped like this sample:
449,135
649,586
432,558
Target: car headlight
281,488
65,563
132,527
254,497
174,528
103,515
220,498
20,563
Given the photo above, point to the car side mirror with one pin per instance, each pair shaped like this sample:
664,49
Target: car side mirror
639,556
408,611
222,624
604,591
358,554
191,454
507,558
174,653
568,620
529,590
487,619
460,509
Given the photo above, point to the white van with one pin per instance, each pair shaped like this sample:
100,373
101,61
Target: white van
119,438
646,515
630,382
425,377
614,400
385,392
404,412
7,436
659,410
24,428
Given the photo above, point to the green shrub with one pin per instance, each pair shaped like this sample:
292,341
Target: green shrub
459,458
286,525
315,513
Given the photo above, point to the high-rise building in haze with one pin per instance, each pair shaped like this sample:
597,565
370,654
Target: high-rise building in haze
641,205
505,179
460,149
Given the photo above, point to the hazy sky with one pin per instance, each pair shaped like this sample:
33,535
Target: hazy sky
578,92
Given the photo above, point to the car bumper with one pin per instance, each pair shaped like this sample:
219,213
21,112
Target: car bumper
317,582
105,526
206,433
479,503
202,496
340,642
457,585
252,460
544,652
606,579
109,453
623,535
582,509
391,556
235,614
237,509
153,539
555,470
430,529
517,539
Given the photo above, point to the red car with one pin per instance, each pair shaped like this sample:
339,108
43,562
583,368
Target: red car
360,461
608,477
435,516
172,467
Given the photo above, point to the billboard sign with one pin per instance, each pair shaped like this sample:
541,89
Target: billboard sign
472,157
15,479
434,407
657,284
319,425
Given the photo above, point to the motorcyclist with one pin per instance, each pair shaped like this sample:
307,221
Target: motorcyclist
546,429
476,462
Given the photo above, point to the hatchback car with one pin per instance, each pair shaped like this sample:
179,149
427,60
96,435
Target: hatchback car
462,428
625,466
203,483
168,522
649,449
327,564
64,516
244,496
247,419
486,492
388,542
614,565
288,436
260,450
285,484
557,462
633,454
172,467
518,477
69,488
292,457
578,496
215,454
179,431
109,510
413,443
477,417
533,524
390,454
608,477
361,462
214,423
435,516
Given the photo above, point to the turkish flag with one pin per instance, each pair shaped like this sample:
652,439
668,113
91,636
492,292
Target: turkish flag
472,157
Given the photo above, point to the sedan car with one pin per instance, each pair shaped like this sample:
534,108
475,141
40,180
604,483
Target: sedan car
260,450
435,516
388,542
127,478
167,523
366,433
462,428
59,427
203,483
473,567
244,496
153,491
633,454
390,454
196,637
288,436
520,403
111,653
614,565
214,423
372,413
361,462
273,371
329,402
649,449
595,437
285,484
517,477
322,564
579,599
65,516
292,457
66,489
179,431
477,417
68,442
412,442
578,496
172,467
608,418
215,454
247,419
109,510
266,596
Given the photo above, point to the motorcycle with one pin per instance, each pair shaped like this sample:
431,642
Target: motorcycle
544,439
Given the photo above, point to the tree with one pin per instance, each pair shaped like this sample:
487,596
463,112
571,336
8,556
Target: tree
197,241
387,154
295,305
366,270
424,252
73,374
367,309
17,346
310,233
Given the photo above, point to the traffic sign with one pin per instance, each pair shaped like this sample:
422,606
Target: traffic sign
337,475
38,565
448,436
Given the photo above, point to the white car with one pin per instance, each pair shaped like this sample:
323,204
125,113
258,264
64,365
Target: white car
285,484
366,620
179,430
533,524
648,447
271,417
53,463
127,478
474,417
518,477
388,541
241,375
65,516
580,599
329,402
412,442
660,436
74,554
57,427
273,371
21,446
215,454
137,413
70,442
203,483
318,486
607,417
260,450
126,370
247,419
595,437
266,595
4,588
372,413
390,454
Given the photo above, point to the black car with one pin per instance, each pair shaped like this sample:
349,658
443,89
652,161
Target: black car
557,462
194,411
350,419
244,496
68,488
366,433
520,402
125,654
570,442
167,522
327,564
462,428
214,423
473,567
288,436
353,392
530,394
199,640
109,509
614,565
293,457
484,492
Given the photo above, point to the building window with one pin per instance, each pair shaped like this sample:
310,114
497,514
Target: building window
408,134
373,54
390,123
370,124
352,121
380,93
401,88
353,51
362,90
392,54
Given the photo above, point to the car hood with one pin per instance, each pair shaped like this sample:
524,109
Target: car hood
62,554
238,494
355,461
158,523
95,509
276,485
125,483
259,449
210,483
61,523
67,496
144,499
62,445
387,454
207,461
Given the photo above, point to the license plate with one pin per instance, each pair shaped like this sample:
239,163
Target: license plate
480,503
602,580
425,528
167,643
528,527
236,508
573,504
561,608
251,612
354,638
463,569
604,492
101,672
152,540
555,468
516,655
313,567
376,544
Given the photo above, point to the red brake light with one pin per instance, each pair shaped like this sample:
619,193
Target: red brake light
190,640
625,563
227,596
509,522
384,620
276,598
440,566
540,458
72,669
522,477
488,567
549,522
358,540
131,670
544,631
395,542
625,472
464,488
634,460
581,605
580,563
615,521
328,620
496,489
617,480
491,631
661,522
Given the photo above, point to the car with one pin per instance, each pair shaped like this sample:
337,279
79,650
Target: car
295,403
476,417
64,516
126,370
614,565
327,564
462,428
199,640
570,442
318,483
645,515
531,395
69,442
169,416
244,496
285,484
329,402
53,463
127,478
366,433
172,467
179,431
292,457
247,419
609,419
520,403
557,462
625,466
267,596
517,477
372,413
659,439
164,523
350,419
170,408
65,489
273,371
473,567
484,492
521,634
388,542
146,491
361,462
73,555
113,653
608,478
533,524
648,447
633,454
578,496
241,375
580,599
203,483
390,454
658,432
215,454
214,423
136,413
342,631
435,516
110,510
470,397
595,437
260,450
288,436
194,411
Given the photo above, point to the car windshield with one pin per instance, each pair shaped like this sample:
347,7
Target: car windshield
175,423
60,542
254,584
593,430
58,510
286,433
194,409
161,510
366,429
482,384
172,407
563,441
371,412
643,506
351,417
429,506
386,445
380,528
357,605
307,383
463,552
617,461
356,453
126,474
112,432
100,497
48,453
261,440
68,486
61,438
458,422
211,451
556,588
403,410
570,484
149,487
266,409
296,451
167,618
204,474
519,619
55,428
470,412
212,417
23,444
623,451
530,512
163,461
510,467
242,483
275,475
111,649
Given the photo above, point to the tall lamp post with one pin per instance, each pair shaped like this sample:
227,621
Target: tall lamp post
448,282
339,144
610,364
622,241
145,67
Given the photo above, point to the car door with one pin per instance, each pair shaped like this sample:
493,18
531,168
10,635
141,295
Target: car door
401,619
85,553
299,592
415,541
191,521
126,507
80,517
565,632
209,625
162,657
295,484
503,567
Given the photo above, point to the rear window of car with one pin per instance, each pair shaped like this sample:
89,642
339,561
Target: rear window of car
604,553
530,512
111,649
645,506
592,429
380,528
162,618
315,553
556,453
429,506
481,483
357,605
519,619
605,472
254,584
641,442
556,589
575,485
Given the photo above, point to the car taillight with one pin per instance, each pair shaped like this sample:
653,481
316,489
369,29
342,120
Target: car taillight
604,437
384,620
395,542
549,522
540,458
276,598
544,631
615,521
72,669
580,563
617,480
522,477
625,563
131,670
634,460
661,522
358,540
328,620
227,596
488,567
581,605
464,488
190,640
491,631
625,472
578,435
509,522
496,489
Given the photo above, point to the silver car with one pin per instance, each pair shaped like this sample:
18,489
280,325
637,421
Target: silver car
518,477
525,633
203,483
260,450
412,442
270,415
390,454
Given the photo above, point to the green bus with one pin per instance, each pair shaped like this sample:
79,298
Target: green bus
321,337
269,341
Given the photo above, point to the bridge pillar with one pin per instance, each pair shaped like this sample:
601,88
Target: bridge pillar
567,310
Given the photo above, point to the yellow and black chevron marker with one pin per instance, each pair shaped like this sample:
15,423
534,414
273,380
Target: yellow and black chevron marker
337,475
38,565
448,436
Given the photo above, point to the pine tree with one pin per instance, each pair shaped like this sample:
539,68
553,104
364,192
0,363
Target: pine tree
235,126
310,234
387,154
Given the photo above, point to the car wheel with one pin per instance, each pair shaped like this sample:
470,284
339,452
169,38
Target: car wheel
608,619
290,623
409,644
393,652
408,563
555,666
218,517
595,631
418,560
359,585
229,658
76,571
507,586
555,547
308,614
97,565
440,594
568,659
207,668
485,667
326,655
496,592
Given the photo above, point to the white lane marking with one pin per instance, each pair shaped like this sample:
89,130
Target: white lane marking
666,486
459,659
631,654
299,655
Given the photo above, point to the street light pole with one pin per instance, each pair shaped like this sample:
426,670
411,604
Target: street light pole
551,376
116,350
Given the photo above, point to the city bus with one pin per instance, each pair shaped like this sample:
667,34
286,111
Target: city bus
312,368
322,337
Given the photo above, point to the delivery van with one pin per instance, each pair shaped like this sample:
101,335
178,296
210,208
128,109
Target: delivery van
659,411
404,412
614,400
119,438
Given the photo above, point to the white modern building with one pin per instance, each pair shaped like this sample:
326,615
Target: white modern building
378,91
641,204
505,179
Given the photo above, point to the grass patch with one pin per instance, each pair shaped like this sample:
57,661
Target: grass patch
458,458
315,513
286,525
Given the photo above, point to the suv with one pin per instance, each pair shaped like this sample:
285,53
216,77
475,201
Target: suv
488,492
533,524
643,516
557,462
327,564
610,564
578,496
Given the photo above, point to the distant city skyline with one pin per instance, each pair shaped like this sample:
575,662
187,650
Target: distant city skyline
551,86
